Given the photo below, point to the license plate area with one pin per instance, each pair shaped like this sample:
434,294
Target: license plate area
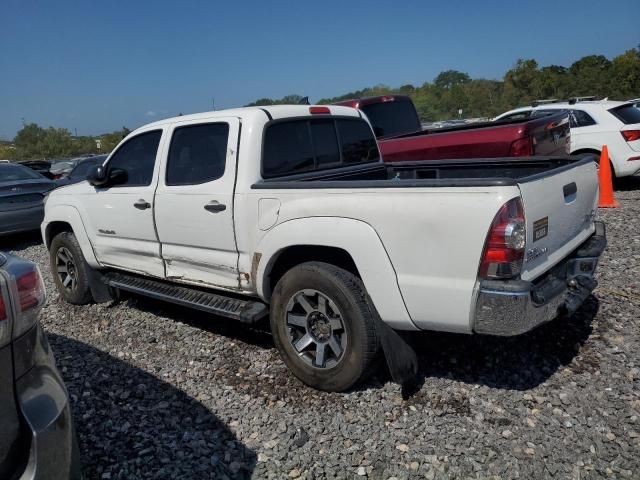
582,266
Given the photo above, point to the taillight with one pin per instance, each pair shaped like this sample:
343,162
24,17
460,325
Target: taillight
5,330
31,298
504,248
523,147
631,135
30,290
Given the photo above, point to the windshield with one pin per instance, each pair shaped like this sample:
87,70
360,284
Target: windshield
14,173
392,118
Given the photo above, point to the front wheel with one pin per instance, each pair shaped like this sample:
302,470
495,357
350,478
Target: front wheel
323,326
69,269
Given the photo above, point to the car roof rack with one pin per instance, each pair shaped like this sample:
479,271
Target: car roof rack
535,103
574,100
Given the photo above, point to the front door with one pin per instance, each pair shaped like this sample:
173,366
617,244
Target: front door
194,203
120,216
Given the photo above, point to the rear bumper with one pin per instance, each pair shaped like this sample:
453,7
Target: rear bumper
44,404
21,220
509,308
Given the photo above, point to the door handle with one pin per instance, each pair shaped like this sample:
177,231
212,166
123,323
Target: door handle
215,207
142,204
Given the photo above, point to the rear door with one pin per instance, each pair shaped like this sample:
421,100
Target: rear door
194,203
559,211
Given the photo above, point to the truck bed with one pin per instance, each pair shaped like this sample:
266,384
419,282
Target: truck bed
433,173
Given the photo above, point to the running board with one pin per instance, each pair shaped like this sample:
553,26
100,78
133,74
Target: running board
247,311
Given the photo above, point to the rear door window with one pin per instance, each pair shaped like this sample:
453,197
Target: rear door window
627,114
580,118
304,145
197,154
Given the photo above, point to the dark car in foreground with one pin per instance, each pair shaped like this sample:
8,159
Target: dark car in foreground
79,172
22,195
37,437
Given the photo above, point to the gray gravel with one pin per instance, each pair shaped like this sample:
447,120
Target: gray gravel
163,392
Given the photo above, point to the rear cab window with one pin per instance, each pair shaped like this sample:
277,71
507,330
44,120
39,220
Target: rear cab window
311,144
627,113
392,118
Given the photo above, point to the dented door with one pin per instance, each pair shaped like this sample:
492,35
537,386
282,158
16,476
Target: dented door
194,203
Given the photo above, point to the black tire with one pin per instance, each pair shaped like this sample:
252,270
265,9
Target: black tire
346,294
76,290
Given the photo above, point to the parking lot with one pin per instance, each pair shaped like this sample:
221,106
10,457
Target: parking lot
164,392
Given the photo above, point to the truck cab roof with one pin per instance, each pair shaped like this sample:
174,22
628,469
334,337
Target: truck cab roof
272,112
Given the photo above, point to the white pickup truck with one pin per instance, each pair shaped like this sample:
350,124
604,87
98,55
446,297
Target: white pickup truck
288,211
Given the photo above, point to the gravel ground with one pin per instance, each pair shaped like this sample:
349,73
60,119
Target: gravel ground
162,392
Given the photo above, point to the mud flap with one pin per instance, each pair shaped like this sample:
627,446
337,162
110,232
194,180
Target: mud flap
100,291
401,358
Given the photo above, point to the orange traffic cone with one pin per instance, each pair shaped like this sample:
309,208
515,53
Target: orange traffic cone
606,183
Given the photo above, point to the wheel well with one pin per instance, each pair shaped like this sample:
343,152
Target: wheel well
597,154
586,150
54,228
295,255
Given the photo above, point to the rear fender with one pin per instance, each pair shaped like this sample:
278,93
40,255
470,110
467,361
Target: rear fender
355,237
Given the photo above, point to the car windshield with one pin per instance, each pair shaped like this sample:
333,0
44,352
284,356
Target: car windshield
14,173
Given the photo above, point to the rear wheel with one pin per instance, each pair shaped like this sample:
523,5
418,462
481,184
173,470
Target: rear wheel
323,326
69,269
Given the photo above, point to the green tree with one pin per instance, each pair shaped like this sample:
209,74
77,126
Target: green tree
110,141
450,79
591,76
521,82
625,75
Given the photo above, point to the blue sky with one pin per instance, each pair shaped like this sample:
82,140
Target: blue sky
96,66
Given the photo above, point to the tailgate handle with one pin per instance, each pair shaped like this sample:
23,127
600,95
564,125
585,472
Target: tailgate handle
570,190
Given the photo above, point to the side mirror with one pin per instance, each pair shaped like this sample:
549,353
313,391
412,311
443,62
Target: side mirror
97,176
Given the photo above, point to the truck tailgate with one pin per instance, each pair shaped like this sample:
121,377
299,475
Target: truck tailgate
559,211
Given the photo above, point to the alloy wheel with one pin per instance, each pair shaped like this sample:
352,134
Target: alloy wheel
316,329
66,269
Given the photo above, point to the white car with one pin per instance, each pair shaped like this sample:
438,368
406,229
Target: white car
595,123
289,212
